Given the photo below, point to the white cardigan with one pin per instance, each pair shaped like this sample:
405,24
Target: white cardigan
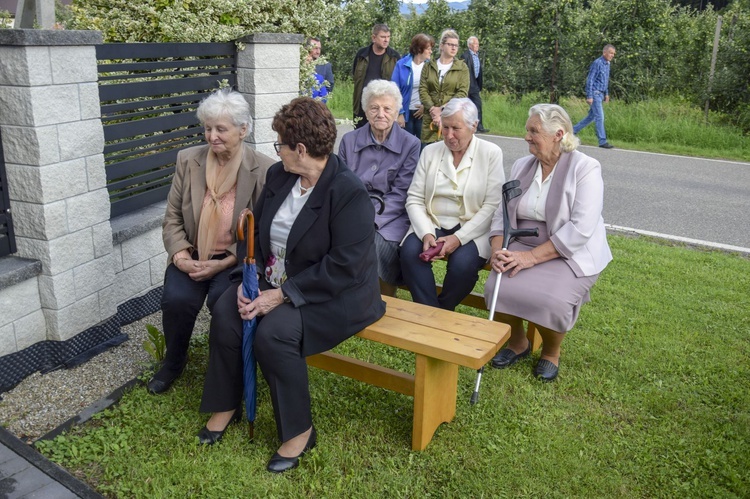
482,194
573,210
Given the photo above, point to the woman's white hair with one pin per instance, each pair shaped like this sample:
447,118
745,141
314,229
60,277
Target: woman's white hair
554,118
382,88
225,103
463,104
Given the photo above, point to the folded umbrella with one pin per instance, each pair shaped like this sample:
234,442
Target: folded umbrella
250,290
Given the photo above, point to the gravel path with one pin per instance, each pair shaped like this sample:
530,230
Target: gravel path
41,403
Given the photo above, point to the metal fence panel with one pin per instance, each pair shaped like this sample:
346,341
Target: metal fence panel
7,237
149,93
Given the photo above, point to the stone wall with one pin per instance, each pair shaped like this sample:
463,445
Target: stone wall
76,265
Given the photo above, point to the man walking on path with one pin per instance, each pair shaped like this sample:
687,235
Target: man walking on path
374,62
475,61
597,91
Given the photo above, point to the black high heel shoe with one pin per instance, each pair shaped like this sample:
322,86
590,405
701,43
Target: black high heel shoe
280,464
208,437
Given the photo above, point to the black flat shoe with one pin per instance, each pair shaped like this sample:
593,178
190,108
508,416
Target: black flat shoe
606,145
546,370
161,381
280,464
208,437
507,357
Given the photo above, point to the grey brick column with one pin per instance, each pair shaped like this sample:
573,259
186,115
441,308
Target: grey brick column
268,76
53,140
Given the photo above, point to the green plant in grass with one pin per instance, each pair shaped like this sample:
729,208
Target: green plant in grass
155,344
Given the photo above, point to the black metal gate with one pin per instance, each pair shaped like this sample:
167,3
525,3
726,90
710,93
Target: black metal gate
149,93
7,238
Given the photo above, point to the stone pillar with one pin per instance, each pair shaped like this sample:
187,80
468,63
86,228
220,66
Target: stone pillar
268,76
53,140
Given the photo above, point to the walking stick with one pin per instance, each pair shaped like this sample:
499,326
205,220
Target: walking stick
510,191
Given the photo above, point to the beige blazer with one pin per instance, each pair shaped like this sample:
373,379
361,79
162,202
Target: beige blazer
180,226
482,194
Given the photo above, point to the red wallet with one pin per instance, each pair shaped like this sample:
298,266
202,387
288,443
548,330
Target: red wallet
426,256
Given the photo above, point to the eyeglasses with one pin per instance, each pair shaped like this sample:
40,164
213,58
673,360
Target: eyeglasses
277,146
451,45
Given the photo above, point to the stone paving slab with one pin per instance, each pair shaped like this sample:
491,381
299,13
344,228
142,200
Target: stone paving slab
26,474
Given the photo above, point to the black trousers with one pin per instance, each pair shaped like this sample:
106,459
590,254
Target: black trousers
278,350
477,100
461,274
181,300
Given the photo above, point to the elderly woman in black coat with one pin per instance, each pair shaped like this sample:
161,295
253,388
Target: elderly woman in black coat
315,248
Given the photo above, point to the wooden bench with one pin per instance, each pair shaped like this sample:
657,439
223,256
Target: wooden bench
441,341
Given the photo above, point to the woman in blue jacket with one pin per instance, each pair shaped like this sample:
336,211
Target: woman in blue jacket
406,75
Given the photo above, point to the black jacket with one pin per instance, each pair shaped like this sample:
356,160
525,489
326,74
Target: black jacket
331,267
475,84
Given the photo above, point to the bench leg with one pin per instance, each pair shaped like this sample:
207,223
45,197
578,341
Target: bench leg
435,390
535,339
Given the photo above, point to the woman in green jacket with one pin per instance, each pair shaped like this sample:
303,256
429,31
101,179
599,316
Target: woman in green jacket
442,79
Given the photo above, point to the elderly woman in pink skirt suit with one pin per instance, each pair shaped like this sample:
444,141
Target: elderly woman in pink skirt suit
548,278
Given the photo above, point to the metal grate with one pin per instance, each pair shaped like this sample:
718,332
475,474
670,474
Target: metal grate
149,93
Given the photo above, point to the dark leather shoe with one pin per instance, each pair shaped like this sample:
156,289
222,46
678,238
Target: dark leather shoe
546,370
208,437
280,464
606,145
483,130
507,357
161,381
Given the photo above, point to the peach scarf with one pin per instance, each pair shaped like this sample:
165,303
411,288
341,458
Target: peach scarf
219,181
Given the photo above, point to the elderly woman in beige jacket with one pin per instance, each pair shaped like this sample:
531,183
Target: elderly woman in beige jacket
211,185
455,191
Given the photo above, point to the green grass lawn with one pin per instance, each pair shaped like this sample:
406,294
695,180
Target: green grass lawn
652,401
660,125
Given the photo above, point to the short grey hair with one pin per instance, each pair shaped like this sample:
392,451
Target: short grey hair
225,103
382,88
462,104
554,118
468,40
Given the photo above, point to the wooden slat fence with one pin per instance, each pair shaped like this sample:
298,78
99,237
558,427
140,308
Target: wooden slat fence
149,93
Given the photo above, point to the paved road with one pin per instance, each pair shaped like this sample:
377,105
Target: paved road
701,199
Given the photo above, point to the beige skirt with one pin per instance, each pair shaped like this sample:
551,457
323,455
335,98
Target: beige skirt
548,294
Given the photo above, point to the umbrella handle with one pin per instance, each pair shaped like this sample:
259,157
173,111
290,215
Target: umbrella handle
247,218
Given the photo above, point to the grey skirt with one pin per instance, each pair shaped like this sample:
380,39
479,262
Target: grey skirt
548,294
389,264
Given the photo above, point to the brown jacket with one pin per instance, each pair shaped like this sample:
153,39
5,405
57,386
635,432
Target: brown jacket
180,226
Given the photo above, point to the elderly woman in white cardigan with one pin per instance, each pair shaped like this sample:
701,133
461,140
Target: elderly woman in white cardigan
455,191
548,277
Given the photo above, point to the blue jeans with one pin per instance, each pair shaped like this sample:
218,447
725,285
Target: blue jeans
414,126
461,275
596,114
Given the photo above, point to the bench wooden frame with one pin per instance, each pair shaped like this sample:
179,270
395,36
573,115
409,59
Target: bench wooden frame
441,341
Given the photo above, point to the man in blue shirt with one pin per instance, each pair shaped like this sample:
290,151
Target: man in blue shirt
597,91
323,70
475,61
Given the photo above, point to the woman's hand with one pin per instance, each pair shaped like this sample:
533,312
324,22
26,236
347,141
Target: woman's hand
401,121
418,112
435,114
515,261
202,270
262,305
451,244
428,242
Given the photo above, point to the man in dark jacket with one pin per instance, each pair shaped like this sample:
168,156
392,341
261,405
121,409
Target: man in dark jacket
374,62
475,61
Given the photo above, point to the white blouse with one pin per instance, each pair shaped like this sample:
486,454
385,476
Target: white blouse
275,271
532,203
